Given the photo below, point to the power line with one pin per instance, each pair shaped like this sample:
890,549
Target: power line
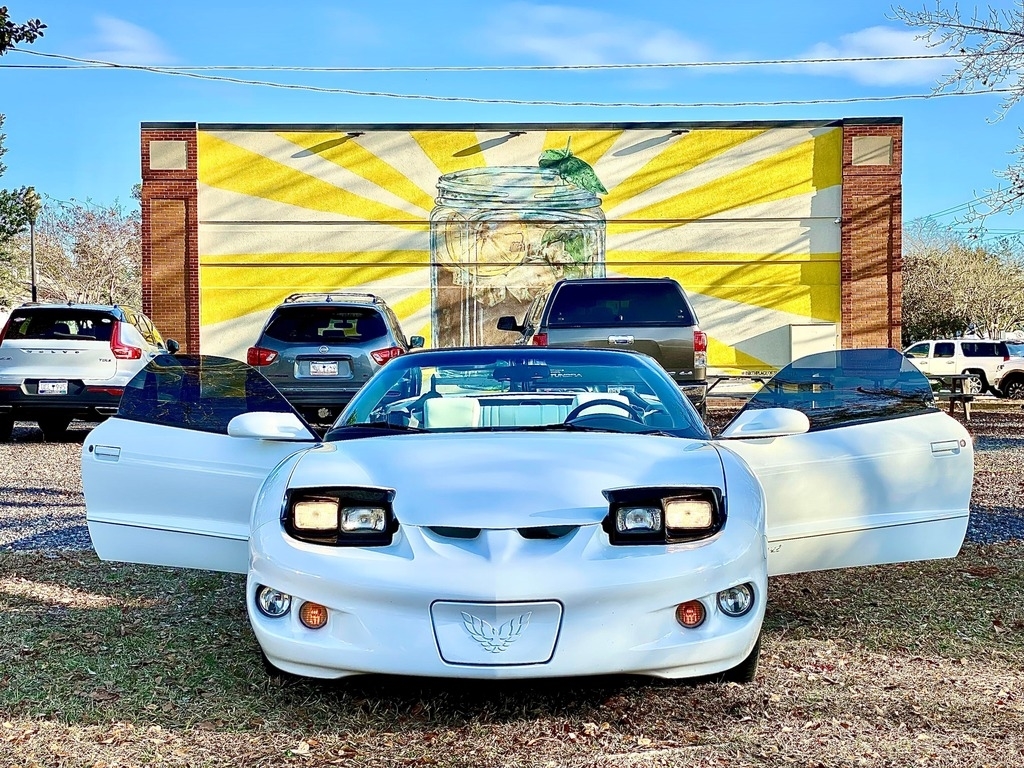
524,102
93,63
965,206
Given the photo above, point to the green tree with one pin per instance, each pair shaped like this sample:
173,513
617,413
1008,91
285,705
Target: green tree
11,34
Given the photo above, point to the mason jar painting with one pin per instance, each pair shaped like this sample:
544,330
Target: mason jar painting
498,237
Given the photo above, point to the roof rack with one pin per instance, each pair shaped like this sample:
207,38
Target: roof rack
333,296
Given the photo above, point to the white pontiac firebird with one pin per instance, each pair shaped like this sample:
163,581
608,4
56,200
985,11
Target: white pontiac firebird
524,512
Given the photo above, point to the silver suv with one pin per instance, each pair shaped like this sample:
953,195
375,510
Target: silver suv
318,349
59,362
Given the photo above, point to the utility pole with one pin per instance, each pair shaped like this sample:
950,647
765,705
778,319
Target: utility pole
33,204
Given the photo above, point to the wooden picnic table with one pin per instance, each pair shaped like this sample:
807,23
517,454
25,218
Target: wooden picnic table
952,387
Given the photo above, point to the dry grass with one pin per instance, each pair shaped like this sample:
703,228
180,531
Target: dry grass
110,665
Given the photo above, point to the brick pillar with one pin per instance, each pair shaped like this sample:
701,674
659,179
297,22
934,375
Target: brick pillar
872,225
170,231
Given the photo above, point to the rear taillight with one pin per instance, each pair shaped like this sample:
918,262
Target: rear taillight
1006,358
700,349
381,356
257,356
3,331
123,351
540,339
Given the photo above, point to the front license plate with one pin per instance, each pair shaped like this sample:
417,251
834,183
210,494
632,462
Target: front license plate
53,388
323,369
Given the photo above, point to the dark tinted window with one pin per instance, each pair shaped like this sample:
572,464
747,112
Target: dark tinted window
983,348
619,302
944,349
200,393
326,325
65,323
850,386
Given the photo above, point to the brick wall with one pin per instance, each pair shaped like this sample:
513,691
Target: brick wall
170,241
870,257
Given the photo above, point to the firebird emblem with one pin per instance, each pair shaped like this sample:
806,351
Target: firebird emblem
495,639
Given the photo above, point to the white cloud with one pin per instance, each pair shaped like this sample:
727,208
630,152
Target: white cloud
561,34
879,41
126,43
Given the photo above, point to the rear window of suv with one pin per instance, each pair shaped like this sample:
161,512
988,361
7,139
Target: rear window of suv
320,325
610,303
61,324
984,349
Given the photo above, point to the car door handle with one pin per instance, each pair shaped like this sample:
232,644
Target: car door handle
620,339
106,452
946,448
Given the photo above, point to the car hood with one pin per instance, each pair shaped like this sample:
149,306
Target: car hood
508,480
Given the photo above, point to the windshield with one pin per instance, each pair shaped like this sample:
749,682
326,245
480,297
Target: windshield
521,388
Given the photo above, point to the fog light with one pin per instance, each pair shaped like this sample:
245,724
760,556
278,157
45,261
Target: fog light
690,614
313,615
736,601
272,603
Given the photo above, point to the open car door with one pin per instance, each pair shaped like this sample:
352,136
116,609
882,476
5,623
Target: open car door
881,475
165,483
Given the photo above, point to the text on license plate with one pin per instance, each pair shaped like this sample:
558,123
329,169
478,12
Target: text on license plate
53,388
323,369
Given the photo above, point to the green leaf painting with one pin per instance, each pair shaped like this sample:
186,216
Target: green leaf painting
571,168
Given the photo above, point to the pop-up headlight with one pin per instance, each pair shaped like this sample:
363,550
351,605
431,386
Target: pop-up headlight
341,517
663,515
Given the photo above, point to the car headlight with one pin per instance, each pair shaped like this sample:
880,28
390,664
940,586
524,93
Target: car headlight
663,515
341,516
316,514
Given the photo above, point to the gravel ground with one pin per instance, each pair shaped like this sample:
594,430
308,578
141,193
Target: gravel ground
41,504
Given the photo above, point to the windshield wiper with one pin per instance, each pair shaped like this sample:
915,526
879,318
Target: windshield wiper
367,429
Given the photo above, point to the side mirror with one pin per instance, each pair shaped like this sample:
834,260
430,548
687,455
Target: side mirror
767,422
172,346
416,342
264,425
508,323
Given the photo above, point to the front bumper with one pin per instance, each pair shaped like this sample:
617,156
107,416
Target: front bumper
615,606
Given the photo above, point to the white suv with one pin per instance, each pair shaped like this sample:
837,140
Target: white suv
59,362
981,357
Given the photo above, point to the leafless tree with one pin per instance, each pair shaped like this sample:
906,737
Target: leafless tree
951,282
84,251
989,46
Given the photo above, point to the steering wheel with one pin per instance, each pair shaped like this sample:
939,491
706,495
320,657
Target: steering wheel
630,413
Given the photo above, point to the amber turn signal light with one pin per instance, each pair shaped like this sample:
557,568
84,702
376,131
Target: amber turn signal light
313,615
690,614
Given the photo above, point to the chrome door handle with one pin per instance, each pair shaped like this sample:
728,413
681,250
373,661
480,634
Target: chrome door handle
620,339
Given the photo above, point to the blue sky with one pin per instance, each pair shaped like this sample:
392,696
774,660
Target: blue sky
75,134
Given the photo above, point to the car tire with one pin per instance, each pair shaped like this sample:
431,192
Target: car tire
55,428
1014,388
6,428
745,671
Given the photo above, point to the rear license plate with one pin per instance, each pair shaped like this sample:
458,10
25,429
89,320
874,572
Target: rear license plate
53,388
323,369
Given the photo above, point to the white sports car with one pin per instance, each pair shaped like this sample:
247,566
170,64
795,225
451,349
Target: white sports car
524,512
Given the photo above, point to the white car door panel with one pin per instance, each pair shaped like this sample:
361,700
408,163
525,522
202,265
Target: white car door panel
864,494
172,496
856,490
180,495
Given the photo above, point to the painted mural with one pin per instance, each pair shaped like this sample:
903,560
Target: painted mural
457,228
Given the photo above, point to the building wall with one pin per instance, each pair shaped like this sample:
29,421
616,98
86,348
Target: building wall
765,224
